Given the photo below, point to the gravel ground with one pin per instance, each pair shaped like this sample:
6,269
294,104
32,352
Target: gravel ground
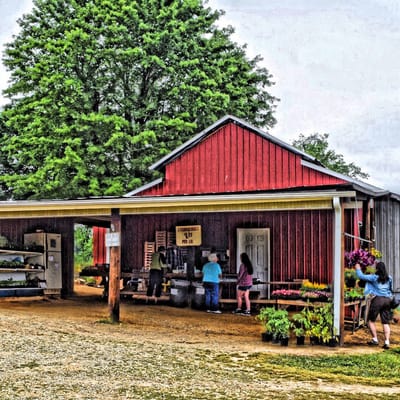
66,349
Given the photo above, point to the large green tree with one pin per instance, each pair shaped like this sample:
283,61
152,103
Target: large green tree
100,89
317,145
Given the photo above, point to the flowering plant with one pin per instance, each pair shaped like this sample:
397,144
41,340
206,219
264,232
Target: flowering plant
362,257
320,295
286,293
307,285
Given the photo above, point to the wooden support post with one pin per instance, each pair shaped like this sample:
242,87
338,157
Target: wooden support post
337,273
342,306
115,266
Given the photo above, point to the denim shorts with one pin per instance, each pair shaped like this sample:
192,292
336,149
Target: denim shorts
244,288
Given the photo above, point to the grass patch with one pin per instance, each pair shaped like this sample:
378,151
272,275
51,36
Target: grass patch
381,368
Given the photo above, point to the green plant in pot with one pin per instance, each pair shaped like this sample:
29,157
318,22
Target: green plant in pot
278,324
301,324
350,277
353,294
311,326
322,325
275,322
264,316
282,326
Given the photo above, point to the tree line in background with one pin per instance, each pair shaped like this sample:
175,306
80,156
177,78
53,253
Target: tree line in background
100,90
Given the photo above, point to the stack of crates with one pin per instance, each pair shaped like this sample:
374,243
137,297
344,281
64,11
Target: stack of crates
165,238
149,249
161,239
171,239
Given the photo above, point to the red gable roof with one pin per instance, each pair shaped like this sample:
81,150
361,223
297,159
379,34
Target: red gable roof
232,156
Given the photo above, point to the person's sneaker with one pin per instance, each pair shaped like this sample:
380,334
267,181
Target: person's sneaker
373,342
385,346
237,311
247,312
217,312
209,311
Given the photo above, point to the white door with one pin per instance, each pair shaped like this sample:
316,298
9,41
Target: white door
255,242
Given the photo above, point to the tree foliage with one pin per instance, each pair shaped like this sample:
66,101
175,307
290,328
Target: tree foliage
317,146
101,89
83,246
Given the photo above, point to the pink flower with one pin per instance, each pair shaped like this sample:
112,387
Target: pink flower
359,256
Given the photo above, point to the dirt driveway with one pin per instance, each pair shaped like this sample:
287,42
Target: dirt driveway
66,349
172,324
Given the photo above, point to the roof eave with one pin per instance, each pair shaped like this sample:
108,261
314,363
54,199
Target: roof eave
360,186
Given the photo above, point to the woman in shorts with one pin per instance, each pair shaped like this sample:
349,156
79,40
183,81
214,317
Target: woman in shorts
244,283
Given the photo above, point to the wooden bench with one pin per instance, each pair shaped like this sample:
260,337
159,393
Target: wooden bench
223,302
142,296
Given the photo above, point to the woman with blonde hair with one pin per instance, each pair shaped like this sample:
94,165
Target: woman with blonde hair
211,276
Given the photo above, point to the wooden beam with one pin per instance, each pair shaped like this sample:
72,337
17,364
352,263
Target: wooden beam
115,266
337,273
342,284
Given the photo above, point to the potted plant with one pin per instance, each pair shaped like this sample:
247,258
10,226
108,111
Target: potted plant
280,326
276,323
322,326
353,294
264,316
292,294
350,277
301,324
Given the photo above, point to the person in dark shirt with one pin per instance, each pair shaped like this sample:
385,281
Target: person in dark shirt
158,263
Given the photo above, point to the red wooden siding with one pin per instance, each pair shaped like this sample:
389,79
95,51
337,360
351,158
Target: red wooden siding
235,159
352,227
99,248
301,241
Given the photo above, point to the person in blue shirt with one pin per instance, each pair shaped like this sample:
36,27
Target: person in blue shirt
211,276
379,287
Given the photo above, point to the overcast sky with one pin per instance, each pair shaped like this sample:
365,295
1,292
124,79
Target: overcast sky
336,68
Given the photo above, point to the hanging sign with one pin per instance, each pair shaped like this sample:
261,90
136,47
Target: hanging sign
112,239
188,235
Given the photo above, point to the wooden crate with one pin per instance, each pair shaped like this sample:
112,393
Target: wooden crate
165,238
171,239
161,239
149,249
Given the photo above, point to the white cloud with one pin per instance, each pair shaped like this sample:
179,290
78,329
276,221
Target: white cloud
10,11
336,66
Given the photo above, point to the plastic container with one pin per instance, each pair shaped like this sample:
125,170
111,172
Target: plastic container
197,296
179,293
